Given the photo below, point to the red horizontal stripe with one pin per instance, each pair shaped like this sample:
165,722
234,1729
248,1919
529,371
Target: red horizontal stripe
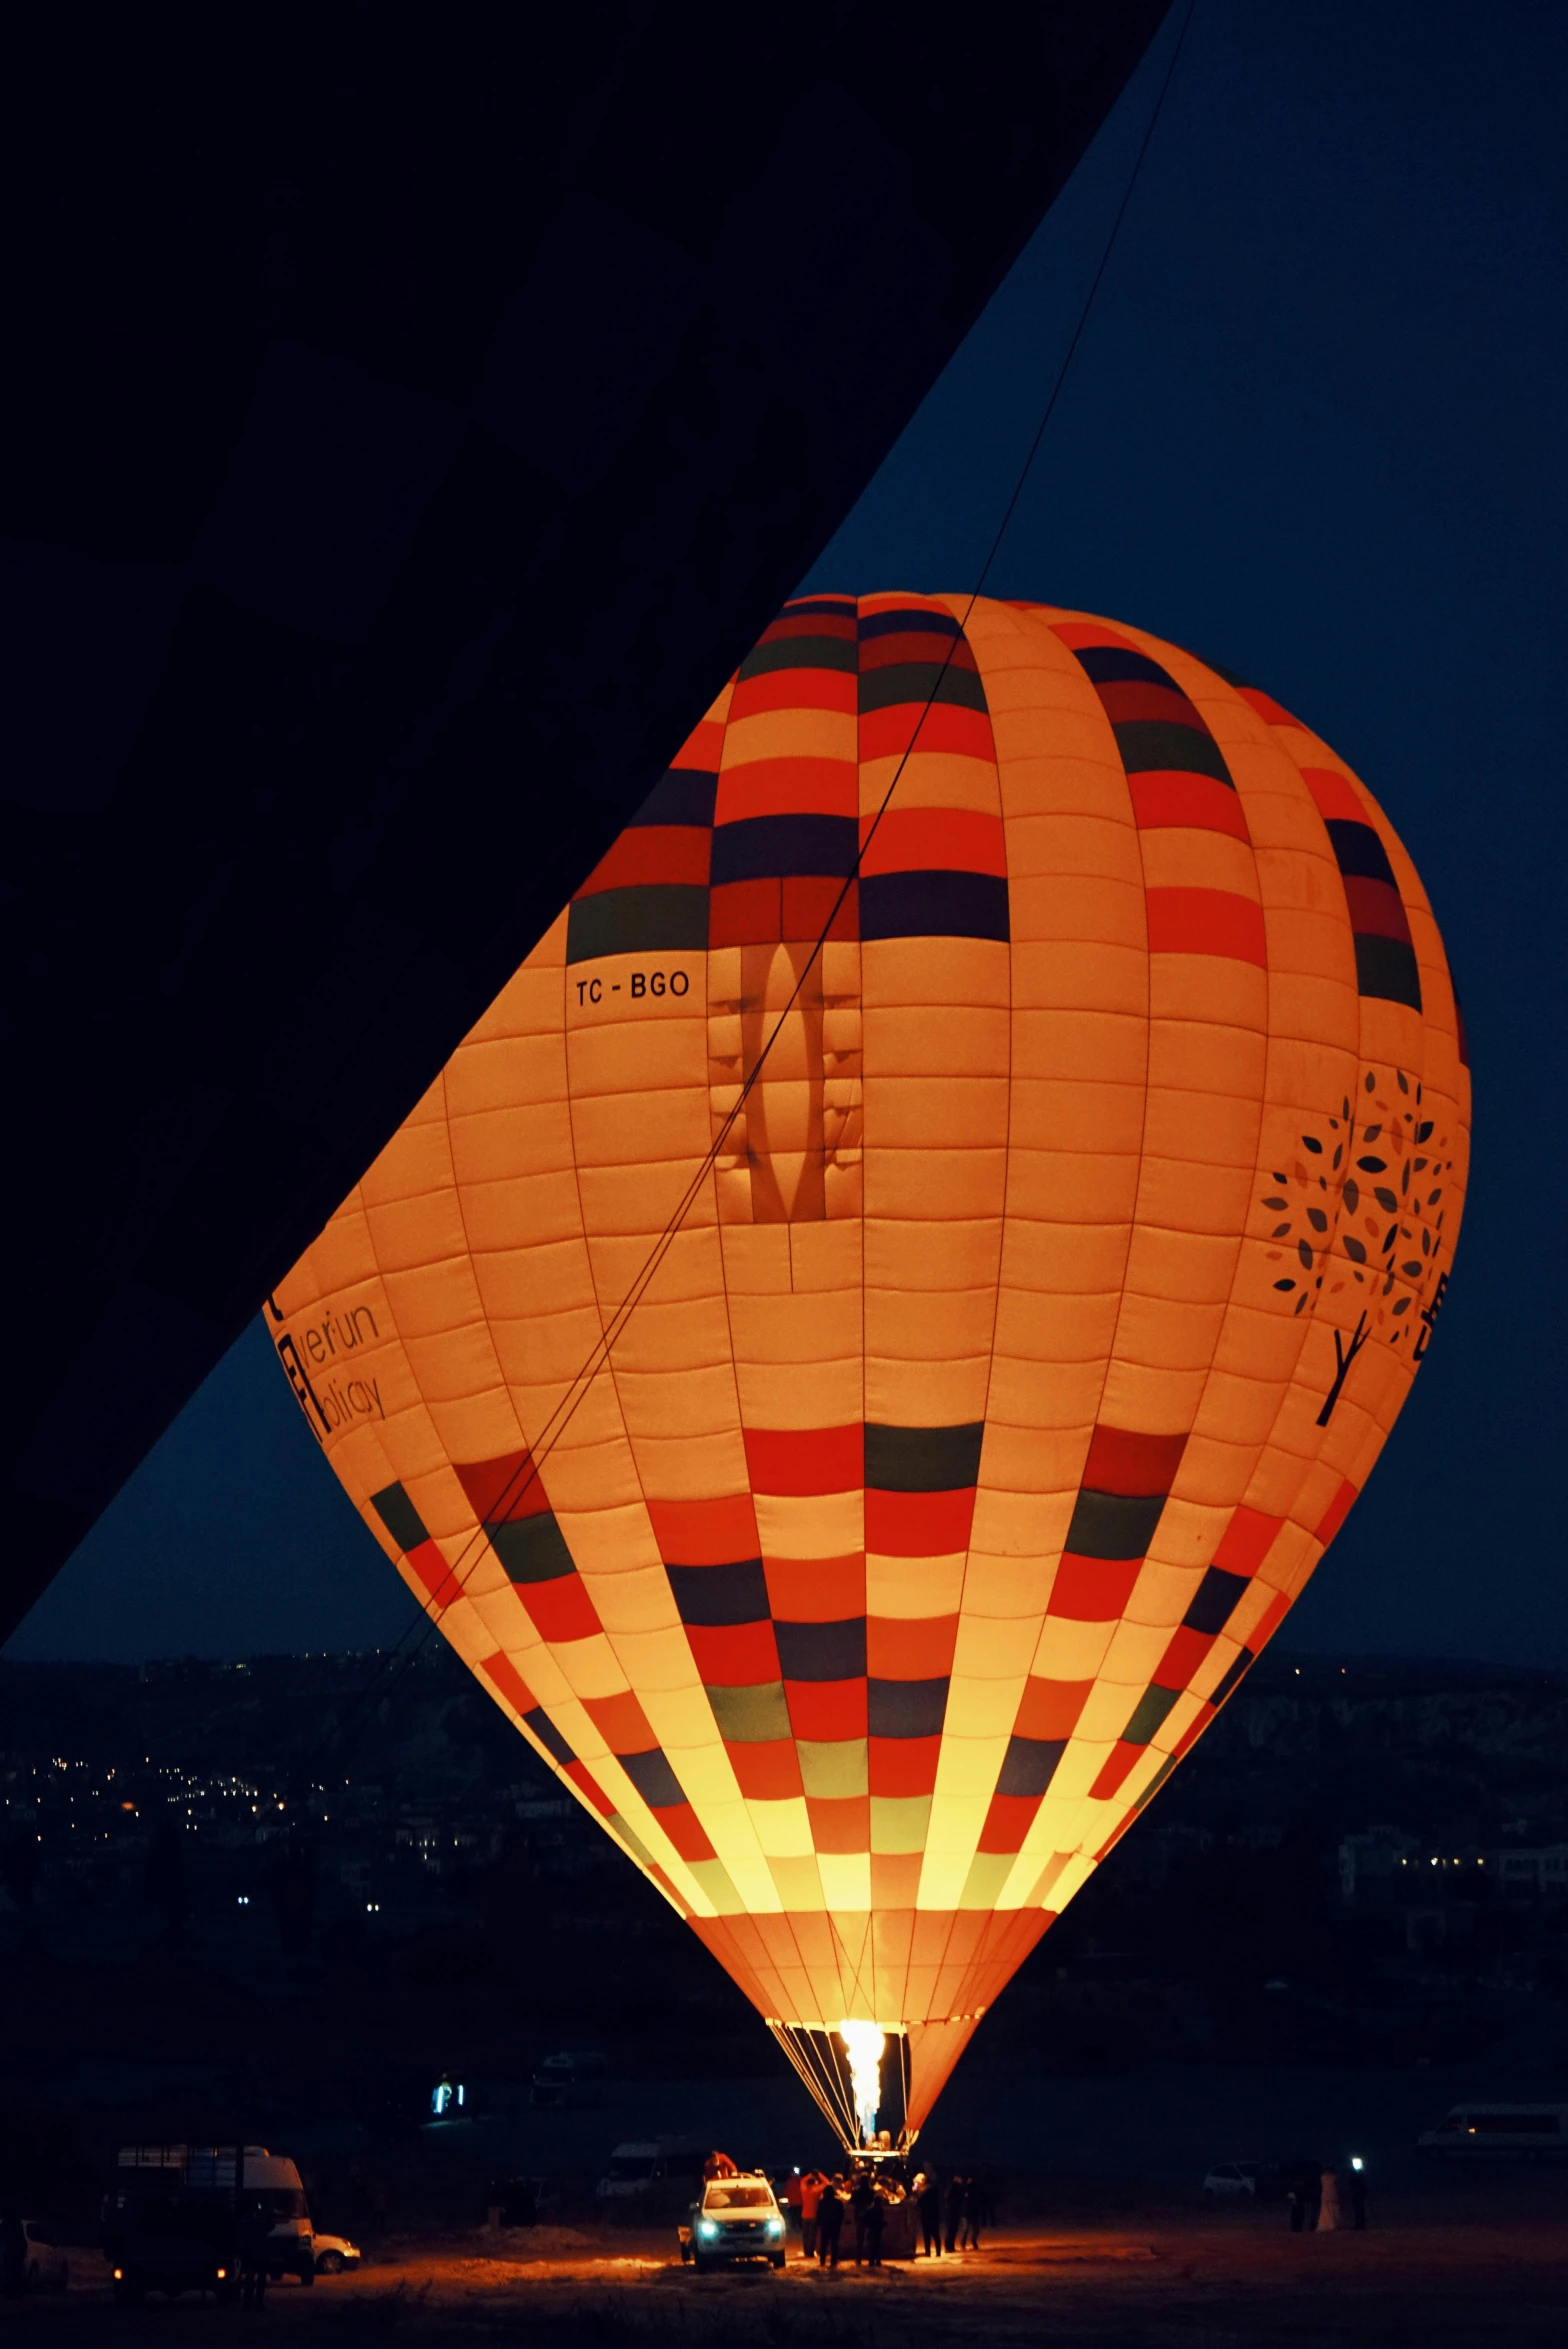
791,624
1269,1621
621,1722
1335,795
705,1533
1079,635
806,1460
1376,910
910,1647
919,1525
560,1610
1247,1541
928,648
1049,1709
1127,700
702,747
816,1590
803,908
685,1830
1182,1658
944,727
504,1491
840,1823
734,1655
904,1765
1162,800
807,908
787,787
796,689
1135,1466
746,913
1116,1771
504,1673
1207,921
935,840
581,1776
768,1772
1093,1590
434,1572
827,1712
652,852
1337,1511
1266,706
1008,1821
901,600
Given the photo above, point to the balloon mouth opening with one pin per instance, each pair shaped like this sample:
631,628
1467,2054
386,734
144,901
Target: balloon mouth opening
858,2072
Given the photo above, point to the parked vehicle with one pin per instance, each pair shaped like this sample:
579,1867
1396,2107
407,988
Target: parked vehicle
1478,2130
45,2267
1231,2181
640,2164
572,2079
334,2253
1255,2181
176,2217
734,2218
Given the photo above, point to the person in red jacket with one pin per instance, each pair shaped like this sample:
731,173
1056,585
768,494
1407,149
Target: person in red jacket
719,2165
811,2186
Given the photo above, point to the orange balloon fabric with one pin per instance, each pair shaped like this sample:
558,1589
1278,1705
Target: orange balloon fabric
864,1341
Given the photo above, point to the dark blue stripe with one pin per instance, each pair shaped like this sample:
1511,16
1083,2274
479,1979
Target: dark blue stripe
915,683
715,1596
774,848
822,1651
549,1736
1359,852
933,905
906,1708
1113,1525
908,624
532,1549
1029,1765
401,1519
800,652
684,795
1214,1600
1386,969
669,917
1114,664
923,1459
654,1779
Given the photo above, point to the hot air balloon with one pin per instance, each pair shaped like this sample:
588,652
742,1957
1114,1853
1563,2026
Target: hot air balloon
862,1344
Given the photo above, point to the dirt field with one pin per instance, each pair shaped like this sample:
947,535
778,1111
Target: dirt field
1483,2266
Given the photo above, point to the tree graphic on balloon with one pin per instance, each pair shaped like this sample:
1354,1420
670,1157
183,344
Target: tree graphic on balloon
1374,1187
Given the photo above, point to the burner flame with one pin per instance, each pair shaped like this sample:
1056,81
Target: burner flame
863,2043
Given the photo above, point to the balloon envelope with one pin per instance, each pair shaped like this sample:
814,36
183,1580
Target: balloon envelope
864,1341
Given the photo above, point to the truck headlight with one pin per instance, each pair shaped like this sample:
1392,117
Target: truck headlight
775,2226
707,2228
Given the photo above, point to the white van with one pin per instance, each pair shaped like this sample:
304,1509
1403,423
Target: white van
1474,2129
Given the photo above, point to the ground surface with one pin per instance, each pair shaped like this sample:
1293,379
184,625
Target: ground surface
1475,2264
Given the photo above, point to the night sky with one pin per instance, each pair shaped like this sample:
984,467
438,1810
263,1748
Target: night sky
1315,432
